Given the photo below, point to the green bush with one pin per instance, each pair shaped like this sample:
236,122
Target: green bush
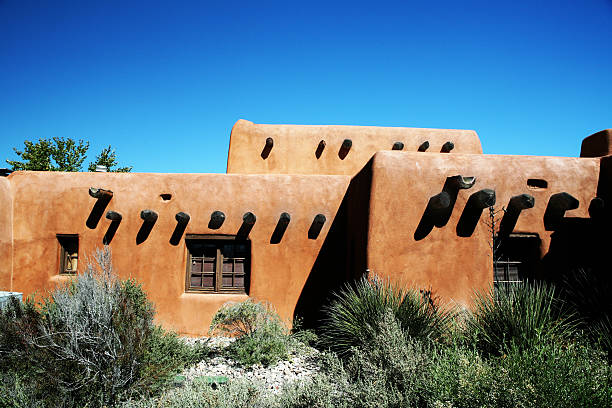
519,315
261,337
351,319
90,343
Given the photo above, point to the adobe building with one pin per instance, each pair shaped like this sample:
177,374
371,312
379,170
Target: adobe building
304,209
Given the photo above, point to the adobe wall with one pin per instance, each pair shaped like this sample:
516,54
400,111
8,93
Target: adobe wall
50,203
6,235
453,266
295,146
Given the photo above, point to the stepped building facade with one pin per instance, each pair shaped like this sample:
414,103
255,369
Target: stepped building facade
304,209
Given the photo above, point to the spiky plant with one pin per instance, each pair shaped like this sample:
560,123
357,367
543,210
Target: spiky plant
353,317
519,315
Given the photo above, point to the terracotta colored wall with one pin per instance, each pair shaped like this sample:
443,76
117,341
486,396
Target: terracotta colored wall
47,204
295,146
6,234
454,266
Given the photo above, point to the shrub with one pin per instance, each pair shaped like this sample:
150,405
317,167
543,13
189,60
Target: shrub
519,315
588,292
261,336
351,319
90,343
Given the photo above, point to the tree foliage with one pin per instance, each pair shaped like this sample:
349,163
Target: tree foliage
108,158
62,154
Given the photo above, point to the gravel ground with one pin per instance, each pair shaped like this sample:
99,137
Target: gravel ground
301,365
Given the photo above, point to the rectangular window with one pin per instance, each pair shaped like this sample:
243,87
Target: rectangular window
516,256
69,253
217,264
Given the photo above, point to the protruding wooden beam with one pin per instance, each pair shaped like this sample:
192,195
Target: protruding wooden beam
447,147
460,182
249,218
477,202
100,193
424,146
320,148
248,221
182,218
148,215
558,204
517,204
281,227
316,226
113,216
398,146
482,199
440,201
216,220
344,149
267,148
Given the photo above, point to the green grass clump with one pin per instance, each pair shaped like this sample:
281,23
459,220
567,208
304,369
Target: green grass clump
352,317
519,315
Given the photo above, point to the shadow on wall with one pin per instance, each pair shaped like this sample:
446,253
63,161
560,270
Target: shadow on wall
343,255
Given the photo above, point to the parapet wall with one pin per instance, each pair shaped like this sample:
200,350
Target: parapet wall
296,149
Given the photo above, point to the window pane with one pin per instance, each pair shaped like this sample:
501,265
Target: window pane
208,281
239,281
239,265
196,281
209,264
228,265
196,264
227,281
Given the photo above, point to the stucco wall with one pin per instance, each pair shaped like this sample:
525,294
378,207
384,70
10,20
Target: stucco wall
6,234
453,266
294,147
48,203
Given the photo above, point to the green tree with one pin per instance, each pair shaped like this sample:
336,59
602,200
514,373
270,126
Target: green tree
61,154
108,158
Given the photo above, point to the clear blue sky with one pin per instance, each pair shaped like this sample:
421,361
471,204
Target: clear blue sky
163,82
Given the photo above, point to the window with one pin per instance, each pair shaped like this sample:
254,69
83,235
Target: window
69,253
516,257
217,264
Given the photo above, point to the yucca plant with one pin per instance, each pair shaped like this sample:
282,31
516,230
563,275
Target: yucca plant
588,292
353,317
519,315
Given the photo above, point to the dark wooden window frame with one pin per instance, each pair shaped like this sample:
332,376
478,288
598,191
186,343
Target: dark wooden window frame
62,240
505,267
218,265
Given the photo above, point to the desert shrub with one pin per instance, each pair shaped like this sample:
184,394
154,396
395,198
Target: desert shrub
90,343
166,355
554,375
261,337
352,317
235,394
519,315
588,292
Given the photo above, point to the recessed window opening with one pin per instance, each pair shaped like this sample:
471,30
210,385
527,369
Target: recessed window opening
537,184
217,264
166,196
69,253
516,257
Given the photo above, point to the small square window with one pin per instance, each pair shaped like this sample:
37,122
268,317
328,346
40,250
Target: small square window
516,257
217,264
69,254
